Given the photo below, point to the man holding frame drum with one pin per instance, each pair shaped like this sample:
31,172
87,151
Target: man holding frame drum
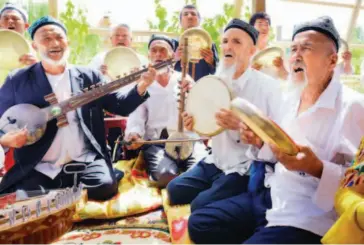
15,18
224,173
326,121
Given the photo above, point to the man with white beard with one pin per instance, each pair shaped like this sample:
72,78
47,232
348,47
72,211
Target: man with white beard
326,121
44,165
225,172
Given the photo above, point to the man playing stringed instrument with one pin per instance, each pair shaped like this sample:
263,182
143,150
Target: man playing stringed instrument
15,18
81,138
189,18
326,121
157,118
224,173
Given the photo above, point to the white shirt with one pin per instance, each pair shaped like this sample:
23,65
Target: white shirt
69,142
228,153
332,128
160,111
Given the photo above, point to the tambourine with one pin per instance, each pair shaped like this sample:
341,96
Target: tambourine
210,94
120,61
198,39
265,58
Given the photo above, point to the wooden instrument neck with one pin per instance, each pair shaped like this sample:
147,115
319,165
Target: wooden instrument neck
184,63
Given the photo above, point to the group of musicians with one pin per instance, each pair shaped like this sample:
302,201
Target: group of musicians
242,190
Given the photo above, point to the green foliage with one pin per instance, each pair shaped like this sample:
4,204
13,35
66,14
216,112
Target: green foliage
357,37
83,45
37,10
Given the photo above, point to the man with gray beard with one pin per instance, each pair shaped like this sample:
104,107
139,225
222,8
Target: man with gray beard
42,166
225,172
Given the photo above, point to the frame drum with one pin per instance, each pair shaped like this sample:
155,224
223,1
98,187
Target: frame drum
120,61
265,59
198,39
207,96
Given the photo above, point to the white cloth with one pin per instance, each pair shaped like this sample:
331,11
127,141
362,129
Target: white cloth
332,128
228,153
160,111
69,142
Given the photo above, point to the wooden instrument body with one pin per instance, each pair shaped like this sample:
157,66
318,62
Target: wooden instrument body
40,219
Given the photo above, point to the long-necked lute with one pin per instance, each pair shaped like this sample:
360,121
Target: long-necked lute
183,149
35,119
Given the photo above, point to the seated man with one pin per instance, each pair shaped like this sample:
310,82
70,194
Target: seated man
159,115
224,173
41,166
326,120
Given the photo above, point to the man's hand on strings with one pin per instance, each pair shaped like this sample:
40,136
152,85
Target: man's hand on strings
14,139
187,121
133,137
147,79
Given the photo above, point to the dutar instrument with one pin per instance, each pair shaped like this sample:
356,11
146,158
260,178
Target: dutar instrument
35,119
211,94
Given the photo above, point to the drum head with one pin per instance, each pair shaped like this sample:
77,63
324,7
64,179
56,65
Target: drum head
262,126
207,96
120,61
12,47
198,39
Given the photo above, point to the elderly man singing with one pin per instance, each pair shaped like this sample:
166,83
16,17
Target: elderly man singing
42,165
326,120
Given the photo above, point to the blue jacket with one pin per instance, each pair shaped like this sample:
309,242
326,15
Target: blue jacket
30,85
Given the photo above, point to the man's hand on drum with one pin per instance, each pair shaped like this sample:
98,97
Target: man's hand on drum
28,59
132,138
146,80
207,55
247,136
187,121
178,53
14,139
257,66
227,119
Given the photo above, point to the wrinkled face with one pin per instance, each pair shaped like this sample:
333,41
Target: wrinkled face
158,51
52,44
237,47
13,20
189,18
314,54
121,36
262,25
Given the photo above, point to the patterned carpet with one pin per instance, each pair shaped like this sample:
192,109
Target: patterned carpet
150,228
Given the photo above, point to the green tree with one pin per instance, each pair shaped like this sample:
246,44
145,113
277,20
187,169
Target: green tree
83,45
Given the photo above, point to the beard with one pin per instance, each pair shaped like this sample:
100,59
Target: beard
44,56
297,81
226,72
